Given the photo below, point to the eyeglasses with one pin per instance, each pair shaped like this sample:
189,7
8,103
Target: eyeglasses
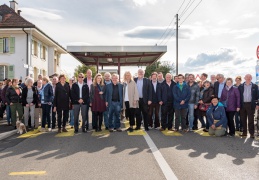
80,77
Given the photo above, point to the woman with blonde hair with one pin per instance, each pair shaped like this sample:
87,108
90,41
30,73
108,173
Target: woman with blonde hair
130,97
97,101
29,100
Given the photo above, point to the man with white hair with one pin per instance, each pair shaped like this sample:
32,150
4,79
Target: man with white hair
107,81
248,96
54,114
219,85
145,99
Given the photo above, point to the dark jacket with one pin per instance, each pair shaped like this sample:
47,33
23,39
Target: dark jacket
75,94
207,95
216,88
48,94
93,90
109,90
24,96
218,114
233,98
12,96
62,97
3,94
146,90
254,94
181,95
195,93
163,93
155,93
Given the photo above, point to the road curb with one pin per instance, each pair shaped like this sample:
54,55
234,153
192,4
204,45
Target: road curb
7,134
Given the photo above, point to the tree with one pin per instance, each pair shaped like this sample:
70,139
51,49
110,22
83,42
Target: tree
83,69
164,67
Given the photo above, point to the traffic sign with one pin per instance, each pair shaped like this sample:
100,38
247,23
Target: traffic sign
257,52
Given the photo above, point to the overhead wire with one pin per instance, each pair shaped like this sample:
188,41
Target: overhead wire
186,10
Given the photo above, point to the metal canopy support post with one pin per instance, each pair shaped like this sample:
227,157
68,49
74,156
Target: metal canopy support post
176,44
97,65
119,69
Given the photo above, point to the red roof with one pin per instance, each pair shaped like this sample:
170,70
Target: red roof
10,19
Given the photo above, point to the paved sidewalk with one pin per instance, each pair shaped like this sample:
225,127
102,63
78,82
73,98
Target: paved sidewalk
5,130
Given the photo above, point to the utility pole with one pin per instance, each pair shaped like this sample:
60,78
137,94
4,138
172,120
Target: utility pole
176,44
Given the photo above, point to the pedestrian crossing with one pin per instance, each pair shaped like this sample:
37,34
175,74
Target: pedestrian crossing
105,133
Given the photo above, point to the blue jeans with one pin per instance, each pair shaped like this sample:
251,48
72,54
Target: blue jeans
45,115
238,122
114,114
191,115
71,115
106,117
8,113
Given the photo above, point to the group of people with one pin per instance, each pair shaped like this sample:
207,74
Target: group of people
221,105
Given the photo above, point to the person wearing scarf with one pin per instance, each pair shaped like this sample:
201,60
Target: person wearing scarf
97,101
14,100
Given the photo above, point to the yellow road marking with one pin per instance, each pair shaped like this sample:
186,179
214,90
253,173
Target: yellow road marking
101,133
137,133
27,173
66,134
31,134
201,132
171,133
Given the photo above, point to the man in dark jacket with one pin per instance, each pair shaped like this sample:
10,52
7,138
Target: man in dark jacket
193,102
166,99
219,85
248,101
114,101
155,103
145,99
80,100
182,96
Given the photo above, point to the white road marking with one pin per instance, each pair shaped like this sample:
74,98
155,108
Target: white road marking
167,171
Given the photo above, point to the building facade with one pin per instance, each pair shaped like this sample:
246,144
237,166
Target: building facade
25,50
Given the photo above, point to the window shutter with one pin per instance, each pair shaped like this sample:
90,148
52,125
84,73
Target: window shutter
11,72
41,50
38,52
32,47
1,45
12,45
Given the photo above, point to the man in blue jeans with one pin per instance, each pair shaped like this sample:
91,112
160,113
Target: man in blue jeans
114,101
193,102
107,80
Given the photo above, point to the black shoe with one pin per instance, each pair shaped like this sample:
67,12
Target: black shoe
231,135
146,129
99,130
76,131
83,130
94,127
9,124
130,129
137,128
205,130
106,128
15,127
194,128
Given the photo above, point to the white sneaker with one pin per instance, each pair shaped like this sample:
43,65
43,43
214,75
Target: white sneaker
49,129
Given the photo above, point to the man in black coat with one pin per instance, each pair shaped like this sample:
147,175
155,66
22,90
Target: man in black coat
248,100
145,99
166,99
219,85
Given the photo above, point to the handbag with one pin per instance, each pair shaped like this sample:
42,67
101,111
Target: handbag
204,107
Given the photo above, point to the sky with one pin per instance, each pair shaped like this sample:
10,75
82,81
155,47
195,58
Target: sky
218,37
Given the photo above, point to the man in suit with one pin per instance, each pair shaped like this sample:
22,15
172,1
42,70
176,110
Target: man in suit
155,104
89,81
248,100
114,101
145,99
166,99
219,85
107,81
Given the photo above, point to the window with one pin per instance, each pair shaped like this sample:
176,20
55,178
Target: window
43,52
34,48
7,45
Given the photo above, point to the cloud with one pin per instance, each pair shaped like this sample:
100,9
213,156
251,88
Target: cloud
36,13
223,22
244,33
152,32
249,15
78,44
144,2
228,61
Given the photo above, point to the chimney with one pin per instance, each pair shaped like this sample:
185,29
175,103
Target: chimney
14,5
19,12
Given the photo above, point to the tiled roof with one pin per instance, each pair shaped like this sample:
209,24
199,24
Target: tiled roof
10,19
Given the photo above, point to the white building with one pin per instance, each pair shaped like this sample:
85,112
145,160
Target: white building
25,50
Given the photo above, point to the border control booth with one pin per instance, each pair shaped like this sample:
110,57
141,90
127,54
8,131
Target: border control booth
117,56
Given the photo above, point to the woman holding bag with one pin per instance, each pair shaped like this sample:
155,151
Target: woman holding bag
230,98
204,102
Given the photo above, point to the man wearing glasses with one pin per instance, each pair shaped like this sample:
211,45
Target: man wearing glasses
80,100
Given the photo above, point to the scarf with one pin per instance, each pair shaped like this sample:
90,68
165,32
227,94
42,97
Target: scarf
202,91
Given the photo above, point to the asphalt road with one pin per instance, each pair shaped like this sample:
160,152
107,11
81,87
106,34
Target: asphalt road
121,156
